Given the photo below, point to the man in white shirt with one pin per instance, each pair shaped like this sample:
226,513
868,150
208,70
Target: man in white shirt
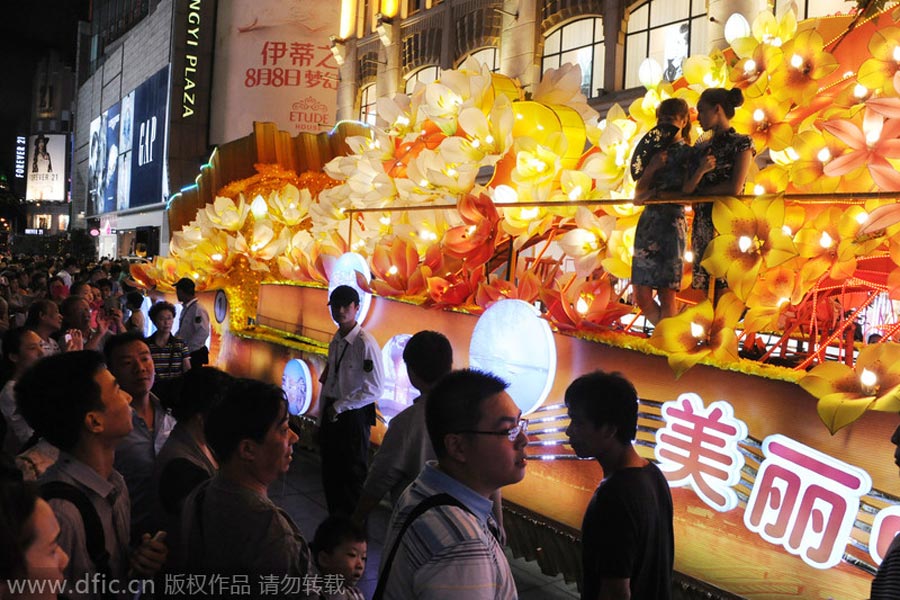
193,327
351,384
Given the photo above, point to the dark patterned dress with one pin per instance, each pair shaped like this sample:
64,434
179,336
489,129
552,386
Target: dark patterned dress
725,147
659,240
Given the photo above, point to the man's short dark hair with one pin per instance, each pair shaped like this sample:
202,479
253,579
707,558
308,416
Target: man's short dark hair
606,399
158,307
197,391
454,404
247,411
429,355
57,392
37,309
186,285
334,531
120,340
343,295
104,283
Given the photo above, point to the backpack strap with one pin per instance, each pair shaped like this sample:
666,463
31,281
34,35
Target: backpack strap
189,542
95,540
418,511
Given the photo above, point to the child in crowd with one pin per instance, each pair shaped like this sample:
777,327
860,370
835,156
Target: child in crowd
339,551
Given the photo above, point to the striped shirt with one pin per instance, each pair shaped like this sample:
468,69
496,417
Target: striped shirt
168,360
447,552
886,585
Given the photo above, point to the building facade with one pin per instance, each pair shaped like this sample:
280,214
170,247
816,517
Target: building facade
142,118
388,45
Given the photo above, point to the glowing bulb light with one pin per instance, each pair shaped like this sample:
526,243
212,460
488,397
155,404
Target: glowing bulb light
258,207
745,243
896,54
758,115
824,155
650,73
393,270
581,306
759,190
868,379
826,241
736,27
750,67
862,217
860,91
697,330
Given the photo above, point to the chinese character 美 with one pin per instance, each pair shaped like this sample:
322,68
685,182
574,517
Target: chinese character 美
698,447
805,500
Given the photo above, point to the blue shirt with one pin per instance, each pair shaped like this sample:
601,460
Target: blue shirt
447,552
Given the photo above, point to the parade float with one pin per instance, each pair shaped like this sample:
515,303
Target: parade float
504,220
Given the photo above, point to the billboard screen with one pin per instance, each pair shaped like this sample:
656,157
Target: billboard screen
127,149
273,63
112,157
103,165
147,129
46,168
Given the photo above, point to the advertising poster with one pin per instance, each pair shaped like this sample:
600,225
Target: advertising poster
97,166
111,186
125,135
148,138
274,63
46,168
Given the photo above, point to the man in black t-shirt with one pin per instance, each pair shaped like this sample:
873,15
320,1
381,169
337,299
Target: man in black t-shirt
627,537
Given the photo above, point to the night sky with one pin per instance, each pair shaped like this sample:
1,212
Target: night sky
28,29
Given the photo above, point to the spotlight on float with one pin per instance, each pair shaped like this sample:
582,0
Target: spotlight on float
384,27
736,27
338,50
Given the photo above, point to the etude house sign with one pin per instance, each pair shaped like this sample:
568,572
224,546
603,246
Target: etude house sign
273,63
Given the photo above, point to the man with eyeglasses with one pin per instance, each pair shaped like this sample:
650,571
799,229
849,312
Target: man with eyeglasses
442,539
627,539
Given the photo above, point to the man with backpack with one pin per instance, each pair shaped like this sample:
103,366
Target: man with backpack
75,403
442,539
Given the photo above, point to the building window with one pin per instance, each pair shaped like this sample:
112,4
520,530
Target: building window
414,6
42,221
809,9
668,31
367,104
424,75
578,43
485,56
